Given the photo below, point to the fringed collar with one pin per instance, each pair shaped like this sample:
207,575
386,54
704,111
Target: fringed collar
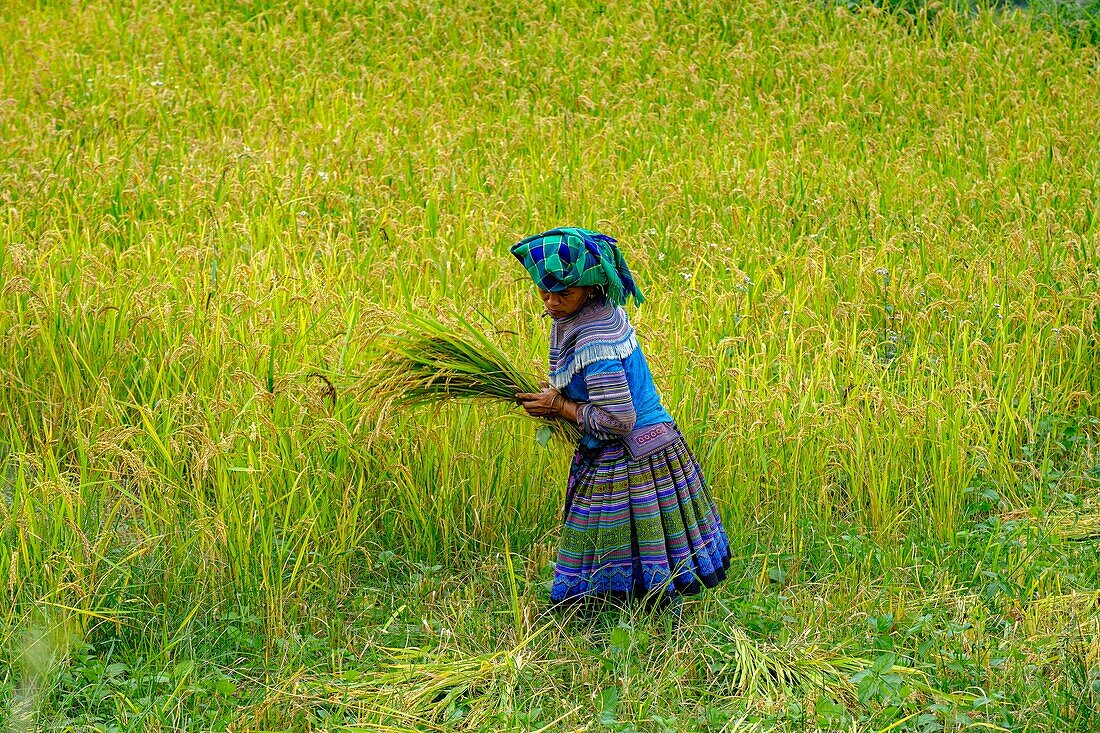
598,330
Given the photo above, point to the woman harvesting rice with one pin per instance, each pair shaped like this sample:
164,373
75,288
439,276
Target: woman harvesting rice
639,520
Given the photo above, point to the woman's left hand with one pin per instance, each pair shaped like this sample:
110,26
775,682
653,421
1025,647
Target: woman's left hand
546,403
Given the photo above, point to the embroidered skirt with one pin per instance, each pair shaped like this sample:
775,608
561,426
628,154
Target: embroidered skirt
634,527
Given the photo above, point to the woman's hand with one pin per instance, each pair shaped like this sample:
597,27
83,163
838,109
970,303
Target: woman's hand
547,403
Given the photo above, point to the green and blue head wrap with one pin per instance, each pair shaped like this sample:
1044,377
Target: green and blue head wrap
571,256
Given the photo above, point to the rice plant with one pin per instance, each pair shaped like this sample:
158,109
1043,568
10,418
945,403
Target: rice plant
428,362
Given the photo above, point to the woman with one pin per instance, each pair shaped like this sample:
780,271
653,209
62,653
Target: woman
639,520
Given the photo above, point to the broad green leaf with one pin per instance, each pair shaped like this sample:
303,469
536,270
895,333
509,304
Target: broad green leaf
609,705
543,435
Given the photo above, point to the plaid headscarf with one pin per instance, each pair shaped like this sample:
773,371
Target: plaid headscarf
570,256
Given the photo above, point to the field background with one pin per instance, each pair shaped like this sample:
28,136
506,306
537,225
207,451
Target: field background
869,243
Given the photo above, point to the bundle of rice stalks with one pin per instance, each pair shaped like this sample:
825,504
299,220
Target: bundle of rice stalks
429,361
742,666
413,689
1082,525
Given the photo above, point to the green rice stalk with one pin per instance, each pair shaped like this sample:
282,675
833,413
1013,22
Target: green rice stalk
429,362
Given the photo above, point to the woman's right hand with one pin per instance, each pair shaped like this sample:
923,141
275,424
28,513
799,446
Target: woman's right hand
546,403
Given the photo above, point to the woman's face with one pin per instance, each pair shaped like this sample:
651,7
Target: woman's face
565,303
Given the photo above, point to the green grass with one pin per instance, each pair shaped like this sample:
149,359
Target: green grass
868,243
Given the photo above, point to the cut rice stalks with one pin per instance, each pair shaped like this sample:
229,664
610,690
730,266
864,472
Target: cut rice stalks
416,689
741,666
1081,526
428,362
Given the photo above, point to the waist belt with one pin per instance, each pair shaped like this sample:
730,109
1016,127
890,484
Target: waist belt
644,442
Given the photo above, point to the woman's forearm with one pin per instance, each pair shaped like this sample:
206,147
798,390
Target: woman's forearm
568,411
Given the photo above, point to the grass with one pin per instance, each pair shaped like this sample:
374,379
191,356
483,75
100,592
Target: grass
868,242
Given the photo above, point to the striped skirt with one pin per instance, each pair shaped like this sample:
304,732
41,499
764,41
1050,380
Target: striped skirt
633,527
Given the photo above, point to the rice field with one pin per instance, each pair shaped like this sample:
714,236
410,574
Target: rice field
869,244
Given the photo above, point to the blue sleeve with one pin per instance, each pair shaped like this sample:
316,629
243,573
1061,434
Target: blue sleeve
609,412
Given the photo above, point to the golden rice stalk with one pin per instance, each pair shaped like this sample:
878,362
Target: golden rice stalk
1067,525
743,666
415,688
